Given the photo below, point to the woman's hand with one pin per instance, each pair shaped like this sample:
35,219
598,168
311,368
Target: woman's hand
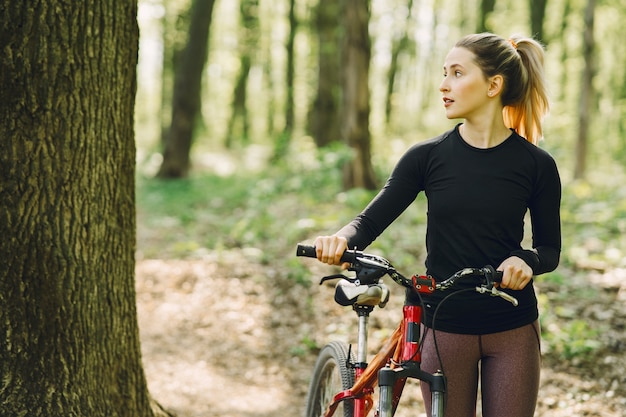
516,273
330,249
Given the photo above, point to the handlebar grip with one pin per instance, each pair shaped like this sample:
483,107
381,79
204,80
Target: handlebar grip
308,251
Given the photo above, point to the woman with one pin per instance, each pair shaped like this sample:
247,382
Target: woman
480,179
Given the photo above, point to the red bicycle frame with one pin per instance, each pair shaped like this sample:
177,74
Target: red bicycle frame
397,360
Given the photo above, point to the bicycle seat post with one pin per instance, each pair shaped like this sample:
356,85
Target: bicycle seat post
363,313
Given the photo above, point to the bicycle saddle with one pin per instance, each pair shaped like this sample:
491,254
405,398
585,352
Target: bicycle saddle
348,293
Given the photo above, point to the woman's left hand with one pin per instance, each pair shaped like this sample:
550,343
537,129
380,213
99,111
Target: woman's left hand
516,273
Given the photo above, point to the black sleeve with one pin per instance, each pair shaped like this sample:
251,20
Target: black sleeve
546,220
400,190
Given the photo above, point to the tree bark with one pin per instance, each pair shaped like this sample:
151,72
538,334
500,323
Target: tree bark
187,93
70,342
356,52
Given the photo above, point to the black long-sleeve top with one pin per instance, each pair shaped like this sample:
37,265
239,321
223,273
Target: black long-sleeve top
477,202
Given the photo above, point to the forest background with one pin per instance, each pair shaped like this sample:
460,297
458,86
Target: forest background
267,164
160,160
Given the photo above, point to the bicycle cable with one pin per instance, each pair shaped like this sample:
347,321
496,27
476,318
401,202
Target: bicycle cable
433,328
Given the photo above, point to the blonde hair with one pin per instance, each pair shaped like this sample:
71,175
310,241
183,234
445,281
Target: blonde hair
520,62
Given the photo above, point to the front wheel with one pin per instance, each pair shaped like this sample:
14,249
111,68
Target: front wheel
331,375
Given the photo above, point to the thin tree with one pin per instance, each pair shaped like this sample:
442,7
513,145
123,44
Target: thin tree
486,8
323,119
290,70
586,92
400,45
355,110
187,93
70,340
249,18
284,139
567,8
537,17
175,28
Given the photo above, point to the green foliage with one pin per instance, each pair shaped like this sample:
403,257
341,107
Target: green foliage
306,346
298,272
272,210
594,223
552,278
567,332
573,339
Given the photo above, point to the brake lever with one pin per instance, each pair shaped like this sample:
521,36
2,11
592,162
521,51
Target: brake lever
338,276
494,292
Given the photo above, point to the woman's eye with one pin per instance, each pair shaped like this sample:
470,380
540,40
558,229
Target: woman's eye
457,73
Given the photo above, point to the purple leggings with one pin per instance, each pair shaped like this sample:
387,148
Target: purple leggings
508,364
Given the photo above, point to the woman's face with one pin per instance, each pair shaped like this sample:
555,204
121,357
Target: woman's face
464,87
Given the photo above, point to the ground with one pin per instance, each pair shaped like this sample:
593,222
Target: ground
230,336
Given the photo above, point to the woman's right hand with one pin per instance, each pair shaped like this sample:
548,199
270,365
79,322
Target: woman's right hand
329,249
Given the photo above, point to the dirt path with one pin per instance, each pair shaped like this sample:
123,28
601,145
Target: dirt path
219,340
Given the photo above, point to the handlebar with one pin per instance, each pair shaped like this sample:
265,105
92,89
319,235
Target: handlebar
348,256
370,268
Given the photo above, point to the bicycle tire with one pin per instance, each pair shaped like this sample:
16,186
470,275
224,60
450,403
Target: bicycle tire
330,376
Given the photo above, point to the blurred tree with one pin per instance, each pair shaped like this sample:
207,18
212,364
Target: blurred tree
355,109
586,92
537,16
323,120
187,93
270,84
290,70
249,17
486,8
70,340
567,8
400,44
284,138
175,28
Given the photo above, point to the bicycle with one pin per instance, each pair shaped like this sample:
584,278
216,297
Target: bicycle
343,380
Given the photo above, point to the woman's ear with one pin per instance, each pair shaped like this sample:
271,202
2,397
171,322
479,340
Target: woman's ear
495,85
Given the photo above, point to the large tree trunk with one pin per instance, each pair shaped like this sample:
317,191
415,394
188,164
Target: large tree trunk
323,120
69,344
187,93
586,93
356,94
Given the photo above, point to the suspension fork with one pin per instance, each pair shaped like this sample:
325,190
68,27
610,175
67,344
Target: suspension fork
391,380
